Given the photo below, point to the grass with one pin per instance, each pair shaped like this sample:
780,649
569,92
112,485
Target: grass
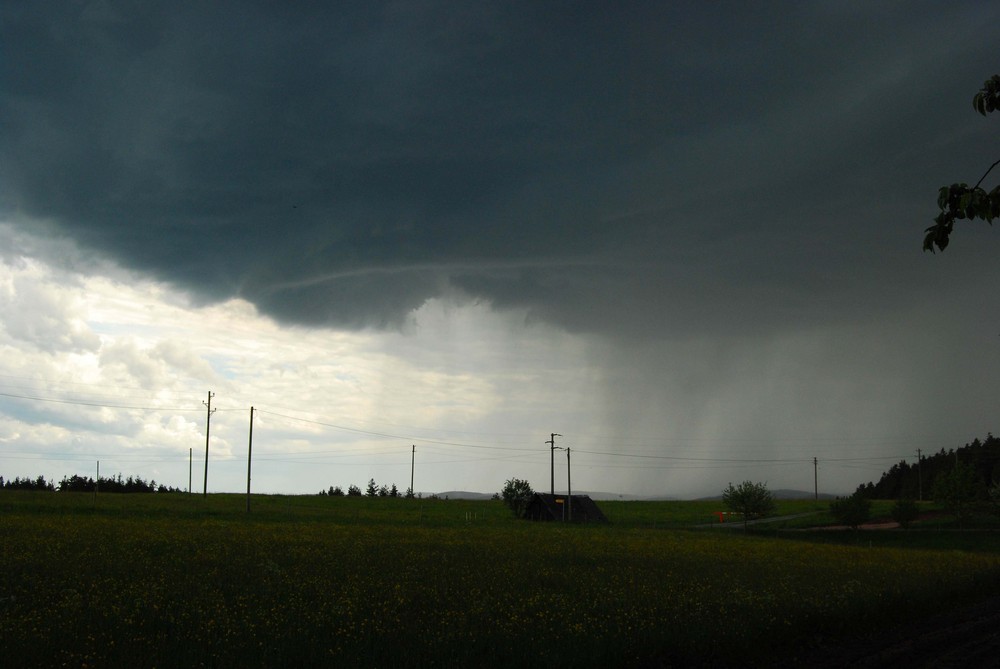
179,580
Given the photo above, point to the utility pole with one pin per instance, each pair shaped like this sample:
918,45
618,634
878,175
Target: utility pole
190,459
413,457
552,442
569,488
249,454
208,425
815,480
920,479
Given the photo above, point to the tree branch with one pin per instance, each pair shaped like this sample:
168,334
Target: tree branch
984,176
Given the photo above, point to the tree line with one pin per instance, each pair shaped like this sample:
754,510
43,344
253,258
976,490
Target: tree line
913,481
77,483
372,490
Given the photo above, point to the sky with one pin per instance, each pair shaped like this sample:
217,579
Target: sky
419,238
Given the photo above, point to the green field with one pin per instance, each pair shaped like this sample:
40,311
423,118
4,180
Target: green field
178,580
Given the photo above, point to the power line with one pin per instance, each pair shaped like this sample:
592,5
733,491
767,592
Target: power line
686,462
396,436
93,404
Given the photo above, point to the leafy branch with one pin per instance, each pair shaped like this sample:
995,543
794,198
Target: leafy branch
958,201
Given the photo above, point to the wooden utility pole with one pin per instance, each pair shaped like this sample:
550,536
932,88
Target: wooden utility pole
569,488
190,460
920,479
815,480
413,457
552,442
249,454
208,425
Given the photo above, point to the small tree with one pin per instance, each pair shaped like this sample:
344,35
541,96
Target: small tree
335,491
852,511
372,490
753,500
353,491
905,511
409,493
393,491
516,494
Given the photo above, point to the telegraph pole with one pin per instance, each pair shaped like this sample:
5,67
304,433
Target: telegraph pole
569,488
208,425
249,454
552,442
815,480
190,457
413,457
920,479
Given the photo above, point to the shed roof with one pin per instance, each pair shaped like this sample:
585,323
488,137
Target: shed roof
544,506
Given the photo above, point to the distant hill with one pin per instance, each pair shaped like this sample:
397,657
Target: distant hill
606,496
465,494
613,496
785,494
460,494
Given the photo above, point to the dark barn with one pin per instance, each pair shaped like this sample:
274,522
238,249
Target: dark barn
559,507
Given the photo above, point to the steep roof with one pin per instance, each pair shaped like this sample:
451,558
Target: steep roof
544,506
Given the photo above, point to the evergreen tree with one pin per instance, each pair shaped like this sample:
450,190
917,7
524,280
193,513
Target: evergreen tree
959,490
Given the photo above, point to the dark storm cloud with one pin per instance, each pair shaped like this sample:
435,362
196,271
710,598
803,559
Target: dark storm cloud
632,167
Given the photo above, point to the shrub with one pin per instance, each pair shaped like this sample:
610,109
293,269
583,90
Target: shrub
904,512
851,511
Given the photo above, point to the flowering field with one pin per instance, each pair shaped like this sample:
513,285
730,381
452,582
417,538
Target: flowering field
168,582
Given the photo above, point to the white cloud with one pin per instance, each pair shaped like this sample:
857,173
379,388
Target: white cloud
39,312
134,397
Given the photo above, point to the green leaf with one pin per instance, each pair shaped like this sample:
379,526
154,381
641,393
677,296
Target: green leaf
943,197
965,200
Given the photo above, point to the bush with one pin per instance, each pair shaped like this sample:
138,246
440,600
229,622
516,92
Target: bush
851,511
993,497
904,512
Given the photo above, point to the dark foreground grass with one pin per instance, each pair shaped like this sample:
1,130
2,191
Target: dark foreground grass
174,581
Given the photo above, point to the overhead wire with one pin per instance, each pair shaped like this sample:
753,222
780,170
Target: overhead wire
676,461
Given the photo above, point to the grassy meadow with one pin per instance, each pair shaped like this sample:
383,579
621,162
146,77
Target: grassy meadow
172,580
